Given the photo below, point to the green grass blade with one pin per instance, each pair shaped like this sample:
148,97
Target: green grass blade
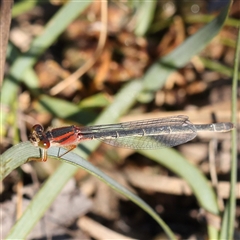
145,13
24,6
54,185
43,198
203,18
231,206
69,111
15,157
225,223
218,67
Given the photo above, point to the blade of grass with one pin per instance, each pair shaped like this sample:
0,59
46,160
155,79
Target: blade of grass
53,187
145,14
225,223
69,111
24,6
231,206
203,18
30,78
218,67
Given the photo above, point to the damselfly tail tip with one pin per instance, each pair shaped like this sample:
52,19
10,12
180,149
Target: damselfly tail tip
229,126
223,127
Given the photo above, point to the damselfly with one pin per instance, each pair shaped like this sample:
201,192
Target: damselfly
143,134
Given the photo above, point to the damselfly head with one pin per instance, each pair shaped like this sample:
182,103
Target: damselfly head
38,138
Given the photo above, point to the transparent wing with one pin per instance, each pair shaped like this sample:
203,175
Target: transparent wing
147,134
150,142
157,122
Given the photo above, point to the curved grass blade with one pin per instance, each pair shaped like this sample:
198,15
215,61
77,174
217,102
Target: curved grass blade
54,185
227,230
145,14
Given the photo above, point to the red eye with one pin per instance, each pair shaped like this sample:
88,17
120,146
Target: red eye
38,137
44,144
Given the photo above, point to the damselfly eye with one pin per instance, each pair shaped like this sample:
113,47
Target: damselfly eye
44,144
38,137
37,128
